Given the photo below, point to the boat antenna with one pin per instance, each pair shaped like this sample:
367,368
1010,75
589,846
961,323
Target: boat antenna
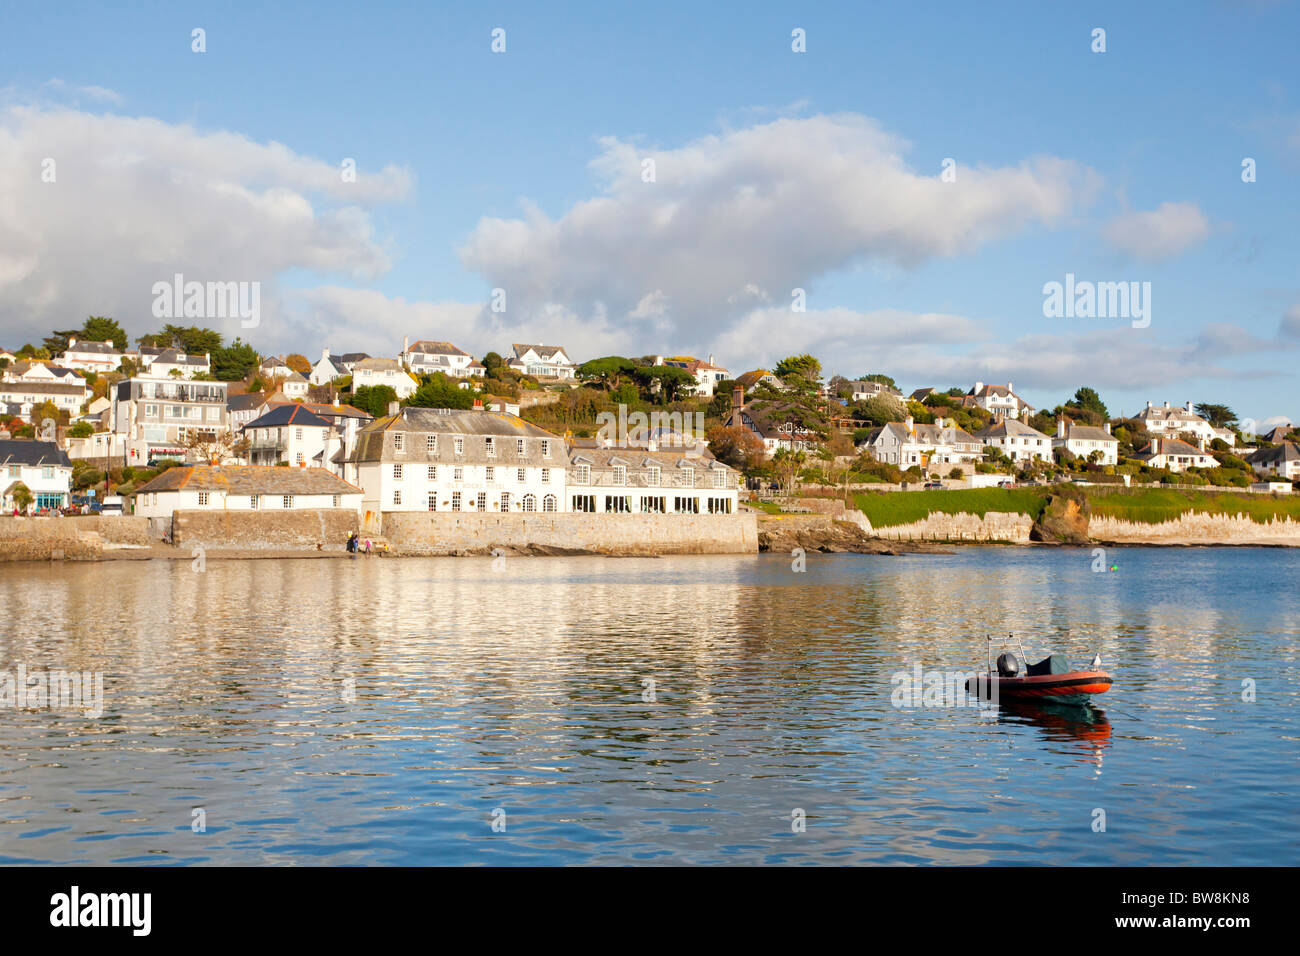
1023,653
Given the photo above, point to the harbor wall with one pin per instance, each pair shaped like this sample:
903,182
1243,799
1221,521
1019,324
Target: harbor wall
74,538
1197,528
309,529
995,526
441,532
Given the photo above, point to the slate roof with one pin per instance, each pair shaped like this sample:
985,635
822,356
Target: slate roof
288,414
37,387
430,347
97,348
1010,428
250,480
544,352
1287,451
177,357
453,421
1075,432
15,451
243,403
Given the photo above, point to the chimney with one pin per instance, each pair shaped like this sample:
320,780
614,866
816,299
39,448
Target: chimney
1107,427
909,423
1009,388
1060,428
1166,404
1148,403
738,398
71,342
1191,410
478,404
406,343
393,408
979,387
652,445
324,354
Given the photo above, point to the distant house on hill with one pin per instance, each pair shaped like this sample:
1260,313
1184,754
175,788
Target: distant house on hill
542,361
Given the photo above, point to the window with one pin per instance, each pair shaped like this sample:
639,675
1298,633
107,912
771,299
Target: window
719,478
252,501
481,501
620,475
505,501
546,476
582,474
47,471
15,471
653,505
459,442
458,473
432,473
490,473
688,478
617,504
546,448
397,472
338,500
585,503
548,503
491,444
203,499
455,501
530,502
433,501
431,444
299,457
287,501
521,476
652,476
399,440
397,496
297,433
519,447
719,506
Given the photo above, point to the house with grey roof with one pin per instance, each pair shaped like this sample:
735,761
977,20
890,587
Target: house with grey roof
371,372
1017,440
940,445
1175,455
1083,440
426,356
174,363
244,488
998,400
1282,460
542,361
41,466
649,479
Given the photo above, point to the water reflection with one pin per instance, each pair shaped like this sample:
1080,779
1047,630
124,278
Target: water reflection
378,711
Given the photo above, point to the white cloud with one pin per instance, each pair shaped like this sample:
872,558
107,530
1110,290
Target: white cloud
1158,234
135,200
1290,326
762,210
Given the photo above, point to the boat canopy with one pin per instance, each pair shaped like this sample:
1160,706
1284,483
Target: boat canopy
1052,664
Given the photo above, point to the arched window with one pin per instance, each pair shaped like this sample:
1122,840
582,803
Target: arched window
548,503
530,502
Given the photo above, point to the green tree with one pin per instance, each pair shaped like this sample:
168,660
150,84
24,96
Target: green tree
805,367
232,363
1220,416
101,328
438,391
882,379
81,430
1088,399
672,381
22,496
608,370
373,399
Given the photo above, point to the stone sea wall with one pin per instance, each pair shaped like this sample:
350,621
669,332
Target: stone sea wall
1197,528
311,529
80,538
1001,526
425,532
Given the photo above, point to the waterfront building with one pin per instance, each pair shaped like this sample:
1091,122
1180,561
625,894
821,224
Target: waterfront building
41,466
443,459
158,417
1083,440
288,434
649,479
244,488
1017,440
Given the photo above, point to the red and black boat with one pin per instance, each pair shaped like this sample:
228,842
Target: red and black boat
1051,678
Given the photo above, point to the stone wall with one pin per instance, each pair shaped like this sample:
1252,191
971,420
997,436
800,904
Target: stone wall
309,529
1005,526
442,532
1196,528
44,539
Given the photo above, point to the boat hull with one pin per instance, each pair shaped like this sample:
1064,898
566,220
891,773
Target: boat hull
1069,684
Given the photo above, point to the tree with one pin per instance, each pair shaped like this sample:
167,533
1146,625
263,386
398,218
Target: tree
669,380
81,430
787,465
1088,399
298,363
101,328
736,446
233,362
192,339
29,351
373,399
22,496
1220,416
437,391
608,370
882,379
805,367
880,410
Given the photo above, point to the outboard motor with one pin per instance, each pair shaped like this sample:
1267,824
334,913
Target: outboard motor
1008,666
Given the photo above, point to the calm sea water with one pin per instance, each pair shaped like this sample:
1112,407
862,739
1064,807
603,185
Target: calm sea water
382,711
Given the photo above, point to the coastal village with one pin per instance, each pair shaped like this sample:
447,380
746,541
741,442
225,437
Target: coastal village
184,423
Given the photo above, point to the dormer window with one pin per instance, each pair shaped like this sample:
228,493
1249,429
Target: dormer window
459,445
491,446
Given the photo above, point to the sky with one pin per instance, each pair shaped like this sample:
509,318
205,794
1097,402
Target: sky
675,178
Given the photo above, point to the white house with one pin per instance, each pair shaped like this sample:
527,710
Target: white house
20,396
244,488
426,356
92,356
288,433
382,371
174,363
1283,461
1171,422
907,443
707,375
1017,440
861,391
442,459
41,467
1176,455
542,361
1083,440
999,400
646,479
333,366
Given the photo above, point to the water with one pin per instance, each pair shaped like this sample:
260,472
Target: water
378,711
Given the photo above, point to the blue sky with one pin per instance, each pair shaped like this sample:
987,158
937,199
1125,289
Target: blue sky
774,169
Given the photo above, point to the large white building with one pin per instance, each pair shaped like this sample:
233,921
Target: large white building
1017,440
542,361
1165,421
1083,440
707,375
91,356
907,443
648,479
27,385
382,371
440,459
156,418
1176,455
41,467
998,400
426,356
173,363
332,366
244,488
1282,460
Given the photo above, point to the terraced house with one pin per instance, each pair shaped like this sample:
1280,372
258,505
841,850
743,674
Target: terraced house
154,418
443,459
649,480
907,443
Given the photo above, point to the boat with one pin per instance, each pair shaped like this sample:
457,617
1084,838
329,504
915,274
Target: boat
1051,678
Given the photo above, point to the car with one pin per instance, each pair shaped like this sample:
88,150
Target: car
933,484
1006,484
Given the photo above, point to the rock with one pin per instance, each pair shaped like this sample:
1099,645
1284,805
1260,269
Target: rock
831,537
1064,521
